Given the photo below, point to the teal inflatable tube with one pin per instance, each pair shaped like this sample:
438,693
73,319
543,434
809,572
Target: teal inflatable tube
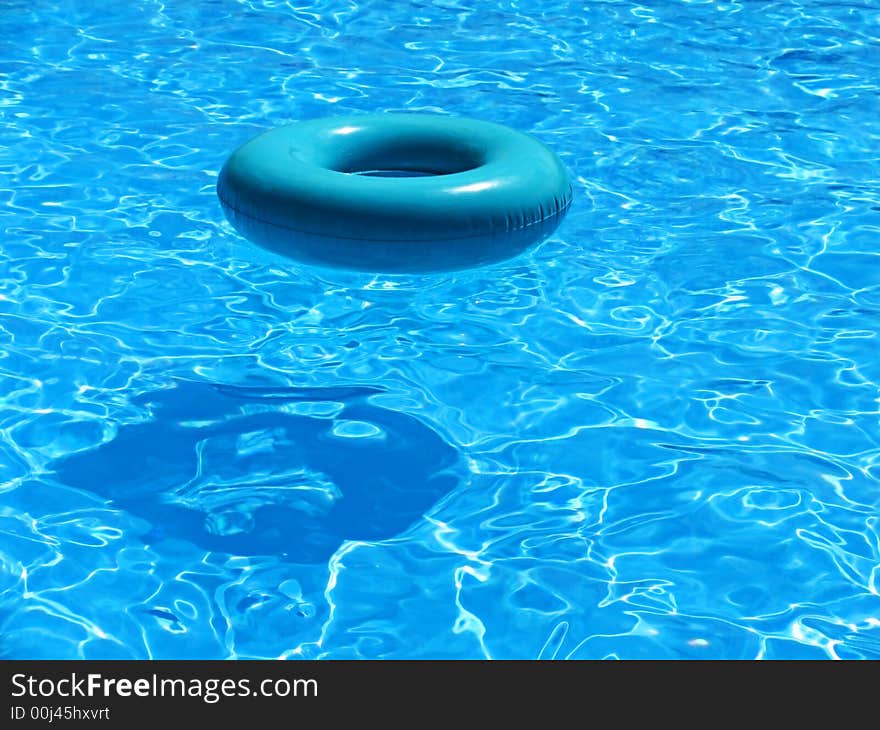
395,192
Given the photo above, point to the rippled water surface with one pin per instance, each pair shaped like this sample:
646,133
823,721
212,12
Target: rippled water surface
654,435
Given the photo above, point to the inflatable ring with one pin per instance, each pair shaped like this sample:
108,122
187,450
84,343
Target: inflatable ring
395,192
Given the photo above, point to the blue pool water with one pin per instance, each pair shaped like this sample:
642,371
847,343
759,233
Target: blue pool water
655,435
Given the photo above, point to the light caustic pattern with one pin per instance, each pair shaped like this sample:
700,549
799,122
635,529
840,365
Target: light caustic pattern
654,435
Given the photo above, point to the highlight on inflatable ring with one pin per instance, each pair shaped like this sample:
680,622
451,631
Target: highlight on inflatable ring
395,193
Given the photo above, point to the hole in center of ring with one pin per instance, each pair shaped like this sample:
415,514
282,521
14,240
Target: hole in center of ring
379,153
396,173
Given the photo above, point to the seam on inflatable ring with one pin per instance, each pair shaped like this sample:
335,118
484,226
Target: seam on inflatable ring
559,211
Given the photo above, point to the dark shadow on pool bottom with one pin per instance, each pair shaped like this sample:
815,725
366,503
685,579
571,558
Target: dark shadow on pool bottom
290,472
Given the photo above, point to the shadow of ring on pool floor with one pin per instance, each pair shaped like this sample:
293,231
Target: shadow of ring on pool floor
290,472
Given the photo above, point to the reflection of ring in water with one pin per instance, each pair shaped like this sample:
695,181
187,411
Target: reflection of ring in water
290,472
